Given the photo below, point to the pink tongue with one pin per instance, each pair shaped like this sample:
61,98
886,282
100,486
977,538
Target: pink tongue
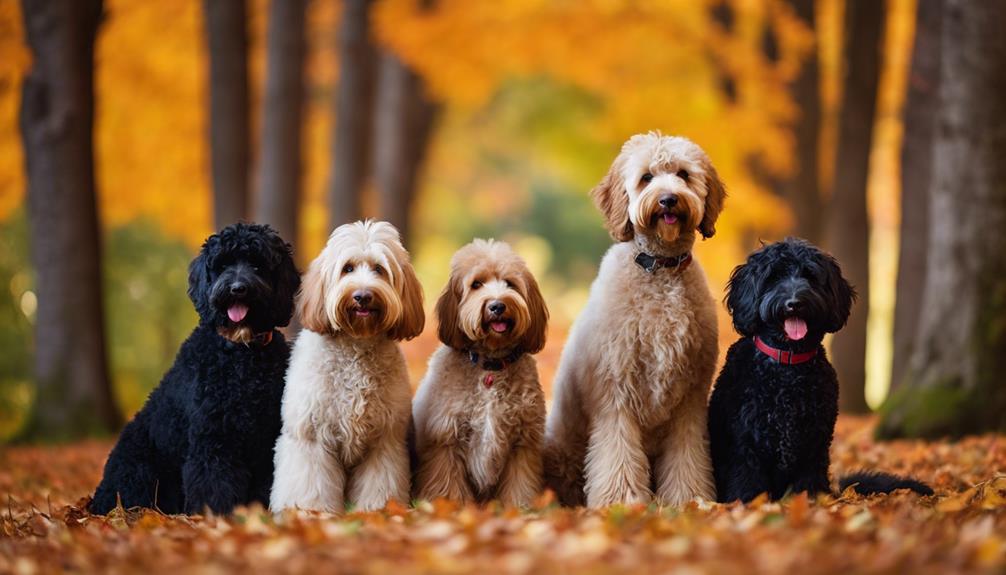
237,312
795,328
670,219
498,326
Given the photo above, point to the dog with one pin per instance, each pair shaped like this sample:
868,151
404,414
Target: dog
480,411
628,421
773,410
347,401
203,438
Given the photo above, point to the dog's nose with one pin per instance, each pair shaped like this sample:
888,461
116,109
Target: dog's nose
239,288
497,307
793,304
669,201
362,296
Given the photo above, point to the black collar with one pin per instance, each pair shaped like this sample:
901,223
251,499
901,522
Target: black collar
495,363
653,263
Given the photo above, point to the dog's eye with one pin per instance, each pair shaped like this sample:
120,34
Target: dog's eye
476,284
379,270
647,178
347,269
508,283
683,174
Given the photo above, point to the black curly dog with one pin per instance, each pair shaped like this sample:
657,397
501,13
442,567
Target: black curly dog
773,410
205,437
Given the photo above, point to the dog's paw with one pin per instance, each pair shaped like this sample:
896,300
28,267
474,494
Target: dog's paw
618,495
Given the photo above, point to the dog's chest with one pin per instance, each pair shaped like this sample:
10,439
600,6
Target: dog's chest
653,332
489,422
355,414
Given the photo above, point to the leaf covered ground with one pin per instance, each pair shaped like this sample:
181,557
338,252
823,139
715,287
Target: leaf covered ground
961,529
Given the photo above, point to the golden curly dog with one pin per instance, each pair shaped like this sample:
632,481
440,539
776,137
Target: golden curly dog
628,421
347,400
480,411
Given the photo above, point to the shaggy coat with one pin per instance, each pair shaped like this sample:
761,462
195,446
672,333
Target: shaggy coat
771,419
480,411
347,401
628,422
202,438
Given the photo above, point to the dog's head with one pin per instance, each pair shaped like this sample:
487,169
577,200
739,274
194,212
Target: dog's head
789,291
491,302
363,284
660,186
243,281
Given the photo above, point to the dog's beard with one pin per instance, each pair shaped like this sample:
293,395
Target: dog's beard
667,224
377,317
483,329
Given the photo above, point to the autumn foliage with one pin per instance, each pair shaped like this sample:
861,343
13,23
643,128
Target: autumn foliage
44,528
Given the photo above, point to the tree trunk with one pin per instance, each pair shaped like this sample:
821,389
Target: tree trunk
230,142
921,106
280,175
802,189
353,113
849,230
954,383
402,129
74,397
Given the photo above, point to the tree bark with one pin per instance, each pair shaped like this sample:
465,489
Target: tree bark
848,229
353,103
954,382
802,189
74,395
227,38
921,107
280,165
402,129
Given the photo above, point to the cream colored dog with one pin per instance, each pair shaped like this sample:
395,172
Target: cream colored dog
628,420
346,404
480,411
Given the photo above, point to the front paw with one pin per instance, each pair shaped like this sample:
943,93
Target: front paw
618,495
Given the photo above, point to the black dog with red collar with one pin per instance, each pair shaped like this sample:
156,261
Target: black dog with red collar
772,413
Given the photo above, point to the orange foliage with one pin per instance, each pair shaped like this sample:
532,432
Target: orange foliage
43,528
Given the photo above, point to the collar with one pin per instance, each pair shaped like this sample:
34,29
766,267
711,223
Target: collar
653,263
781,356
263,339
492,364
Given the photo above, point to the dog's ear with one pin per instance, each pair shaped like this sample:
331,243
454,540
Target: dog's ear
199,283
716,195
311,299
841,295
533,339
609,196
287,280
744,293
412,319
447,310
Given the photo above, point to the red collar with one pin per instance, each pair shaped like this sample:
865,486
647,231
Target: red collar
781,356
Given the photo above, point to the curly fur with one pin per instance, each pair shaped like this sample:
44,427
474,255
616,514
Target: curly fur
347,401
771,424
202,438
477,442
628,420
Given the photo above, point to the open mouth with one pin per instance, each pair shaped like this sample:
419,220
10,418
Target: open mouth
795,328
237,312
365,312
498,326
666,216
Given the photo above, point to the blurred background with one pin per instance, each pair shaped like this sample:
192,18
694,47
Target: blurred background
131,130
